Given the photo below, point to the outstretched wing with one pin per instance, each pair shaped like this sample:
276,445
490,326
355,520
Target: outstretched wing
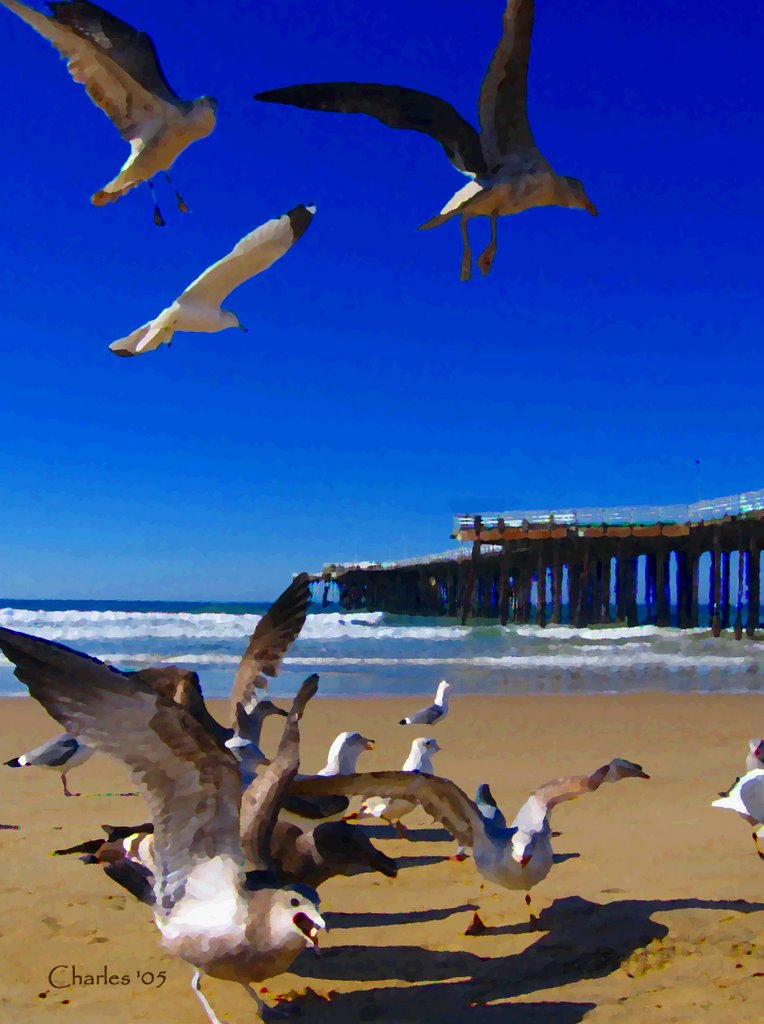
397,108
183,687
253,254
134,51
124,100
192,784
273,635
502,108
440,798
263,797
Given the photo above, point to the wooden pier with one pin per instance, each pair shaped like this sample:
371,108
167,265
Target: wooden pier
526,567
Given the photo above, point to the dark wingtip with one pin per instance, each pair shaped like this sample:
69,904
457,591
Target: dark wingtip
300,218
13,763
121,352
403,722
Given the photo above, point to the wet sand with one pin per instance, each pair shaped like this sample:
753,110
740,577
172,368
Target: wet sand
655,913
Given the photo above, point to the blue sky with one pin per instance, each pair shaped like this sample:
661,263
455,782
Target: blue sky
375,394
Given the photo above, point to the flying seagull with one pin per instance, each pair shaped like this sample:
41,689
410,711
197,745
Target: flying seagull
747,798
435,712
208,910
198,307
62,753
508,171
120,70
518,857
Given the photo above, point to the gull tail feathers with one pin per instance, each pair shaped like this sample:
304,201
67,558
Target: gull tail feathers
453,206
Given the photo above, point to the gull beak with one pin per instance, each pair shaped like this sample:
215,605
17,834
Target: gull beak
525,860
369,745
246,329
642,775
310,927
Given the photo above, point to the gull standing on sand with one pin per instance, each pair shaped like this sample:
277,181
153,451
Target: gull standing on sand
198,307
62,753
435,712
419,760
508,171
518,857
747,798
203,907
120,70
342,759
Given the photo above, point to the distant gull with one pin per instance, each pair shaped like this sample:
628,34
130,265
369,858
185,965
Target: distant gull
518,857
435,712
747,798
509,172
62,753
120,70
208,911
198,307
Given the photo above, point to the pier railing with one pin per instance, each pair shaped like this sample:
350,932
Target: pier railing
644,515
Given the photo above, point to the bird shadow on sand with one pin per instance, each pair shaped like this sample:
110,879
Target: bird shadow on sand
418,862
381,920
578,939
413,835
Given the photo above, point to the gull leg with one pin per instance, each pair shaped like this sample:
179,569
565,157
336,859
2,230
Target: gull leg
485,259
477,926
460,855
211,1016
182,204
66,788
466,253
533,919
266,1012
401,829
756,844
158,218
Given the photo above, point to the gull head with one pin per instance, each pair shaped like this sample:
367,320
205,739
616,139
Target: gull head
620,768
573,194
443,688
294,912
425,745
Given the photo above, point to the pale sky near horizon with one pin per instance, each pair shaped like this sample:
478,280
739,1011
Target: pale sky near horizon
375,395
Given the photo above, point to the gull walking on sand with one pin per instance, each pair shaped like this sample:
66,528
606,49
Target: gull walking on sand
120,70
517,857
204,907
434,712
198,308
508,171
342,759
62,754
747,798
419,760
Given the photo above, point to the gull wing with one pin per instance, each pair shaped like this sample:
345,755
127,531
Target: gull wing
752,795
192,785
273,635
127,103
262,799
502,107
134,51
253,254
397,108
183,687
441,798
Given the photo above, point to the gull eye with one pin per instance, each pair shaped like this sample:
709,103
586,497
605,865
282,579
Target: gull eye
295,902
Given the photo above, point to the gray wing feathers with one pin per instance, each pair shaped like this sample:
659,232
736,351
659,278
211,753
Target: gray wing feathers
54,753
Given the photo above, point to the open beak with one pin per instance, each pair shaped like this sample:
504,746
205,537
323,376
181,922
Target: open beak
310,927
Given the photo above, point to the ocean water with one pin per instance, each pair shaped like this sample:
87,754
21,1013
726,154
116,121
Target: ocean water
372,653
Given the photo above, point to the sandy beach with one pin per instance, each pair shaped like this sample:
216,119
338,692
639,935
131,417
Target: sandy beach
655,913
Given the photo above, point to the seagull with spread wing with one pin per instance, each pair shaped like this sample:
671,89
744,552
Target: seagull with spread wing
215,908
120,70
508,171
198,307
517,857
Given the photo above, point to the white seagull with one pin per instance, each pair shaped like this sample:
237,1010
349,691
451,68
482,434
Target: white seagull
755,756
342,759
62,753
198,307
419,760
747,798
509,172
517,857
120,70
435,712
207,910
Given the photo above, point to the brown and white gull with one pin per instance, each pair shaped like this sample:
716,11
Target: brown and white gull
509,172
209,911
517,857
198,309
120,70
